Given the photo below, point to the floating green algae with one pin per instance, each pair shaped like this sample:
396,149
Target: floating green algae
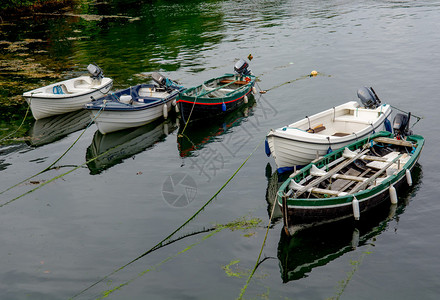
238,273
243,224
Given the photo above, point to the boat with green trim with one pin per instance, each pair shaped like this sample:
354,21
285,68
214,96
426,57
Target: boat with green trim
353,179
217,96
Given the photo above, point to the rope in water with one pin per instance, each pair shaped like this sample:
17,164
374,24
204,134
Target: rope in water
25,116
243,290
287,82
210,232
160,244
189,117
192,108
107,292
57,160
56,177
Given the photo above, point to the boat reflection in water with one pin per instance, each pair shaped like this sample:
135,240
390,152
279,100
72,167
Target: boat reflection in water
273,184
316,246
198,134
112,148
54,128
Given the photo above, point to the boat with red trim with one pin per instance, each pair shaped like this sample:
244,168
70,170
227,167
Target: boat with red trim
217,96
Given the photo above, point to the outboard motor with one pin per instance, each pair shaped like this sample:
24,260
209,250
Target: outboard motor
368,97
401,125
159,79
241,68
95,72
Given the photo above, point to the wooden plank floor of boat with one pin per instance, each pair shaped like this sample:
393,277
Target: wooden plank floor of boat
340,184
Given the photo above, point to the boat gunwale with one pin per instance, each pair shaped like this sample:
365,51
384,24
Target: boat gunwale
245,89
217,103
361,196
321,139
31,95
125,107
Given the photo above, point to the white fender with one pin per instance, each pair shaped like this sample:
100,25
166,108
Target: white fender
356,210
393,195
408,177
165,111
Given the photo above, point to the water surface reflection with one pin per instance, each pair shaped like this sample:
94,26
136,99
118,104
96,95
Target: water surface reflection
107,150
198,135
49,130
313,247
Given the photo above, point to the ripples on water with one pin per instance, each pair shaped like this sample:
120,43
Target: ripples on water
72,232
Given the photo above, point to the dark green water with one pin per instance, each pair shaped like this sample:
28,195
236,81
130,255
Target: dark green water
88,234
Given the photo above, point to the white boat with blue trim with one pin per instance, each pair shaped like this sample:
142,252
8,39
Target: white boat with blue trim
299,143
134,106
68,95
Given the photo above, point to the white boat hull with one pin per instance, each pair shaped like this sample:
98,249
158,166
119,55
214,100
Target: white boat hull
110,121
74,93
293,146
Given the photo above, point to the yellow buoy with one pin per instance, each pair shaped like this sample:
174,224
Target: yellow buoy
314,73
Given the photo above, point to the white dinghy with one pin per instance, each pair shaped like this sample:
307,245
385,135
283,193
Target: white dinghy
134,106
299,143
68,95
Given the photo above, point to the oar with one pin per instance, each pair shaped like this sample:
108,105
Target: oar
329,174
369,180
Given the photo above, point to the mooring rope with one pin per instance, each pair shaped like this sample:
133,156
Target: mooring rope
192,108
243,290
417,117
58,159
22,122
189,117
106,293
54,178
288,82
210,232
160,244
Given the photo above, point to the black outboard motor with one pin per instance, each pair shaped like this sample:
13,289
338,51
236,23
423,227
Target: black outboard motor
401,126
241,68
368,97
159,79
95,72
